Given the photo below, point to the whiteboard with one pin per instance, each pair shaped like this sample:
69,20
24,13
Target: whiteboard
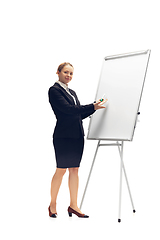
122,81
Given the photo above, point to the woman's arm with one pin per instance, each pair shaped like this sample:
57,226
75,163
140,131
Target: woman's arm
57,100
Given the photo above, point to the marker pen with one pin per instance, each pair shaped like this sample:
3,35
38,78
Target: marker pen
102,98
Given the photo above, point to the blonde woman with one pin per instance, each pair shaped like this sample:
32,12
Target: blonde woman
68,136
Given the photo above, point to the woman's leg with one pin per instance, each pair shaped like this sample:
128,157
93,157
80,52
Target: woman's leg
73,188
55,185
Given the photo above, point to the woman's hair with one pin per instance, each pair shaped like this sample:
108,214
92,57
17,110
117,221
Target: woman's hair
62,65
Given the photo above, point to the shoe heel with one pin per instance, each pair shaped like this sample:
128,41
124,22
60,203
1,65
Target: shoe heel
70,214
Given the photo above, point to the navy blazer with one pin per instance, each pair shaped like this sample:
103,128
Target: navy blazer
69,116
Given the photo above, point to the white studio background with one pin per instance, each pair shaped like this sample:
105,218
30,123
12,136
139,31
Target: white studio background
36,36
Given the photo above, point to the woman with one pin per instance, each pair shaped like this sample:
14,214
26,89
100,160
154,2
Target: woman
68,137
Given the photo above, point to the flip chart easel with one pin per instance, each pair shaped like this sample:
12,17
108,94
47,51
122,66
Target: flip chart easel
122,80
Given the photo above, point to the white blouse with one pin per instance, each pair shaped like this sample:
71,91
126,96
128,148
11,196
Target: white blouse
67,90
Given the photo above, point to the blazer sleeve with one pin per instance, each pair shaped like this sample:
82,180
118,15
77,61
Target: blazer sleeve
85,115
57,100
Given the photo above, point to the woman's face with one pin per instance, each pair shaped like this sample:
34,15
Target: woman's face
66,74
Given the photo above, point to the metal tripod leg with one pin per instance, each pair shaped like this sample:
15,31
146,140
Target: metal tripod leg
120,182
122,167
89,174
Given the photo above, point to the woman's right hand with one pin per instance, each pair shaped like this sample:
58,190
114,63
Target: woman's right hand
99,104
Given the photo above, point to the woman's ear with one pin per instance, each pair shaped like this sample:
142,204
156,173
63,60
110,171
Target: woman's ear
57,73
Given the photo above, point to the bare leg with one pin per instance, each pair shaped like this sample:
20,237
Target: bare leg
55,185
73,188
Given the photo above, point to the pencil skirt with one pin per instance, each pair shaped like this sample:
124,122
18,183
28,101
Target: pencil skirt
68,151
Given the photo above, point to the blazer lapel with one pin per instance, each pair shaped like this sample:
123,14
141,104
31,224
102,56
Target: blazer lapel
66,94
73,93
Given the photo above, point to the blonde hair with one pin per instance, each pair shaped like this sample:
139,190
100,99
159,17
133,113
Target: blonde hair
62,65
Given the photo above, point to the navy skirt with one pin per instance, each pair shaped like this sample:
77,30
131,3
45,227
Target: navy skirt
68,151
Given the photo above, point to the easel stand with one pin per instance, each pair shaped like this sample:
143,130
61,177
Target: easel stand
122,168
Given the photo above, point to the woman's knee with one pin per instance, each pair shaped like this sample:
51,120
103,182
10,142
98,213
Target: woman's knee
61,171
73,170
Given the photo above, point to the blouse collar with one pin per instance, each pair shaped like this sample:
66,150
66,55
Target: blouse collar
62,84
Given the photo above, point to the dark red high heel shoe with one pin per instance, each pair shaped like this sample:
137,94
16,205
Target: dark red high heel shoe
53,215
71,210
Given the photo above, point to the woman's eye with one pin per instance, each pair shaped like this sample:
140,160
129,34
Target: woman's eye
68,72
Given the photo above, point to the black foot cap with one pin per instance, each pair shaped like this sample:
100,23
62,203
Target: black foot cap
119,220
134,211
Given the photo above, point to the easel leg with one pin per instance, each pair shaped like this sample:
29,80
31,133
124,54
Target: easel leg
89,175
120,186
128,188
123,167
